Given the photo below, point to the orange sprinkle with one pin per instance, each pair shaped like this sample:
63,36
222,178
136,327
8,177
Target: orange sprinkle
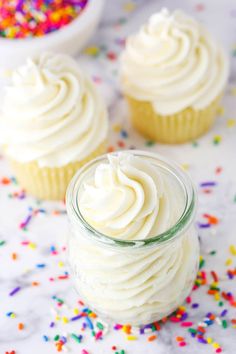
20,326
213,220
180,339
127,329
152,338
5,180
35,283
14,256
110,149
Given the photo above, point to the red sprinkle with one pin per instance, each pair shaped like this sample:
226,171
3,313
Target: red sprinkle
186,324
182,344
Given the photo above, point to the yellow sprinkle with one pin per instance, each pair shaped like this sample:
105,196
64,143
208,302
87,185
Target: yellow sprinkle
116,128
215,345
221,110
92,50
55,16
217,296
185,166
131,337
232,250
234,326
182,308
32,245
13,315
57,318
215,283
228,261
217,139
129,6
65,320
231,123
76,311
61,264
209,340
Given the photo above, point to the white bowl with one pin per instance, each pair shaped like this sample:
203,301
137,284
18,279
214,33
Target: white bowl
69,39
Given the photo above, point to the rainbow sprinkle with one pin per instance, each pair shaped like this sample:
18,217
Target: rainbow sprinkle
36,18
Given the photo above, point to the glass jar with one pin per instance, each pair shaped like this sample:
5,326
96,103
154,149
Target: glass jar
138,281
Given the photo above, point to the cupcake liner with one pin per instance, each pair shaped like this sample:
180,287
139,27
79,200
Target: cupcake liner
46,182
181,127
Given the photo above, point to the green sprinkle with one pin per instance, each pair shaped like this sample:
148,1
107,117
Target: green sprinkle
122,351
153,328
212,253
75,337
56,337
195,144
93,333
214,288
217,139
100,325
122,20
221,303
150,143
2,243
224,324
192,330
202,263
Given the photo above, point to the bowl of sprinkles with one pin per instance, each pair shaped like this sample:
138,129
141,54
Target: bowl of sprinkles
28,27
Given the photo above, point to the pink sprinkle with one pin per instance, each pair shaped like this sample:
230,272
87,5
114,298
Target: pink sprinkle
25,243
182,344
98,335
84,351
174,319
188,300
218,350
117,326
186,324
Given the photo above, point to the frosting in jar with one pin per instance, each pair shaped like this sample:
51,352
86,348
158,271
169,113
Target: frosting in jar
52,113
174,63
128,198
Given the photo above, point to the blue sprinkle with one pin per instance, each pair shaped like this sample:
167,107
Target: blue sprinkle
9,314
89,322
194,306
124,133
41,265
76,318
45,338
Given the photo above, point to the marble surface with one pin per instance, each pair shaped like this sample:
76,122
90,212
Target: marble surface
36,268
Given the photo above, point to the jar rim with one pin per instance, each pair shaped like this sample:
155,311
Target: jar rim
176,230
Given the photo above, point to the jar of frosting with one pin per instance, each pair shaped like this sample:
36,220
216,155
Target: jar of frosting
133,248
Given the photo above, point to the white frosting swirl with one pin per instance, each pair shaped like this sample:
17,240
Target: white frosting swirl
52,113
131,199
128,199
174,63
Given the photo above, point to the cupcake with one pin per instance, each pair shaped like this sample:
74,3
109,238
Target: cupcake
52,122
173,74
